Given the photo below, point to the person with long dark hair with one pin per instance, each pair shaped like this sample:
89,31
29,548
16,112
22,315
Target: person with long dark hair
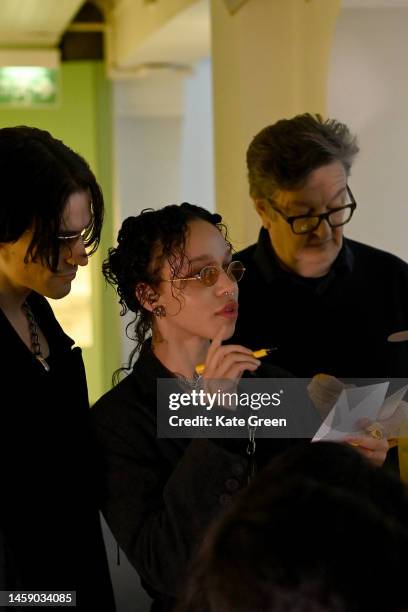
51,216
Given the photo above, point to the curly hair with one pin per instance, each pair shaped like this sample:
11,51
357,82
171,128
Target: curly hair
282,155
145,242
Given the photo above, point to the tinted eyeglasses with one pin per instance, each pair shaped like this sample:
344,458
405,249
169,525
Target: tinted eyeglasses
209,275
304,224
70,240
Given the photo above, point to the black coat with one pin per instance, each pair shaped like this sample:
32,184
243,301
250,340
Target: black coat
337,324
161,494
49,508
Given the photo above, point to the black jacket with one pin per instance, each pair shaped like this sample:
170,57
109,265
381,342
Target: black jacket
337,324
161,494
49,508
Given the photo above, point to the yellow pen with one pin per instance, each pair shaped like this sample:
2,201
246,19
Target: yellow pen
257,354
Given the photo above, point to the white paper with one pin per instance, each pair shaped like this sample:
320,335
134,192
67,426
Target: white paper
358,404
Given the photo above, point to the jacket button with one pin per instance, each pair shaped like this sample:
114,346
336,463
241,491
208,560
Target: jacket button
225,499
231,484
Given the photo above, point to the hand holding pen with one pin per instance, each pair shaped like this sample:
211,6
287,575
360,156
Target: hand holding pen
231,360
227,361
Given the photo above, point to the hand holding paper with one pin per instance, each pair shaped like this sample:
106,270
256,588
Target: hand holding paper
357,411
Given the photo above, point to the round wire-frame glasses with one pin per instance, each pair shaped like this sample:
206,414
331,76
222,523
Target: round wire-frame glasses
209,275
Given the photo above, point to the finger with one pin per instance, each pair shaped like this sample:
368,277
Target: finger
216,354
211,357
235,372
368,443
375,458
231,348
216,343
321,396
375,451
331,383
220,367
238,367
217,340
324,389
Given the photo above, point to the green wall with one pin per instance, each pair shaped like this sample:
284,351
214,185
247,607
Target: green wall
83,120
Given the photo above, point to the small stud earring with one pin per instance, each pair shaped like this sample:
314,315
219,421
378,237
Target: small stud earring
159,311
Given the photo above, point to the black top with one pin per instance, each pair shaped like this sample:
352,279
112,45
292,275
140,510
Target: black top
161,494
337,324
49,509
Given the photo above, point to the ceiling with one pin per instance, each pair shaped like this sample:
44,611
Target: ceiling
38,23
386,4
41,23
183,40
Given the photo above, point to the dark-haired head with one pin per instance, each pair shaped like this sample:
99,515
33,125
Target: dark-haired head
319,530
39,174
147,244
298,173
283,155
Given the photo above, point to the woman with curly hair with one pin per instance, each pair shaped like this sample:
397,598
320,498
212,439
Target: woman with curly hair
173,268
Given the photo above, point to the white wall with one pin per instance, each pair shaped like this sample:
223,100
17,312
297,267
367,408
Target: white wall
148,162
368,90
197,150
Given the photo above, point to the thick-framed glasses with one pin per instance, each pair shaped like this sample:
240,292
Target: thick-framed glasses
336,217
71,239
209,275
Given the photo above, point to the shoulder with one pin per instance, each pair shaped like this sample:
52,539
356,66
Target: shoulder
372,255
246,255
137,392
124,394
126,406
125,417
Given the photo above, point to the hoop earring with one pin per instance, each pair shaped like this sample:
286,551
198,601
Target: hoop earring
159,312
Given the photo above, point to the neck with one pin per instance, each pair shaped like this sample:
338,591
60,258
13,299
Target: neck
12,308
307,269
183,356
12,301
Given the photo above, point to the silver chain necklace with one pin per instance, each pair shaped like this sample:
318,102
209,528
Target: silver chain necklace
191,384
35,340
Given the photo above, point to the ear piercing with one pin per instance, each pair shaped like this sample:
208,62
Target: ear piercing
152,298
159,311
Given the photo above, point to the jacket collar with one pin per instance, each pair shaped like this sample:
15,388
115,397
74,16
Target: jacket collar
148,369
267,262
